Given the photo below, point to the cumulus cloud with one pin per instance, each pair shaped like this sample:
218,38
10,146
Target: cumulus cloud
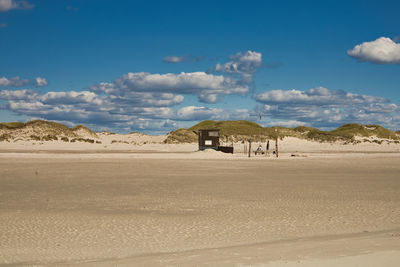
316,96
242,63
286,123
79,107
135,100
197,113
41,81
25,95
236,78
322,107
7,5
13,82
207,86
152,112
381,51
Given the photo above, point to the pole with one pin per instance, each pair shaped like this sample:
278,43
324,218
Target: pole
276,142
249,148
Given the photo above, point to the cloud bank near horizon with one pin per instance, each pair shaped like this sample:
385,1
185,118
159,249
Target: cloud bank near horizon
319,107
322,107
155,102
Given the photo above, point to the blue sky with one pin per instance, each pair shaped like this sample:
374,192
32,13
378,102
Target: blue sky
154,66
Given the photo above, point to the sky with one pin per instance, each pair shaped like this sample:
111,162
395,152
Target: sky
155,66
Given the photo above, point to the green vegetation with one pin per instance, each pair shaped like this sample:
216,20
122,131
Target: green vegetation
353,129
49,138
35,137
51,128
242,130
246,130
5,137
81,127
11,125
87,140
181,136
40,130
119,141
318,135
230,127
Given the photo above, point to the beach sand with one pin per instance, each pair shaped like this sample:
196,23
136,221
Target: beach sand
199,209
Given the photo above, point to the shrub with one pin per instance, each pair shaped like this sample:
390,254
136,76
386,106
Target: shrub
49,138
35,137
4,137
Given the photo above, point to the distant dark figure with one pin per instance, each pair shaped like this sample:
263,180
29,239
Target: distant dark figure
259,150
267,150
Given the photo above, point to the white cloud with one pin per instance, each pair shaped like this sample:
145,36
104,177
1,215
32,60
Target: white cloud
25,95
191,113
236,78
41,81
149,124
13,82
134,100
107,111
381,51
316,96
151,111
71,97
207,86
7,5
327,108
196,113
286,123
242,63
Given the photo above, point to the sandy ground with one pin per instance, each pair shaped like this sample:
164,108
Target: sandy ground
144,143
199,209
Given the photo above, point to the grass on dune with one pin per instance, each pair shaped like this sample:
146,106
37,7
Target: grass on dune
247,130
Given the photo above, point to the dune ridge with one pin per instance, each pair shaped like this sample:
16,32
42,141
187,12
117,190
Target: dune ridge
231,131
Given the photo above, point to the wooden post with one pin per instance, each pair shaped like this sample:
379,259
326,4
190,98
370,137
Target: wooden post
249,148
276,146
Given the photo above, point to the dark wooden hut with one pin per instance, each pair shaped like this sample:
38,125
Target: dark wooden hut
208,139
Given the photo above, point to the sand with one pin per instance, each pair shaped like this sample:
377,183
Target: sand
137,142
149,208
